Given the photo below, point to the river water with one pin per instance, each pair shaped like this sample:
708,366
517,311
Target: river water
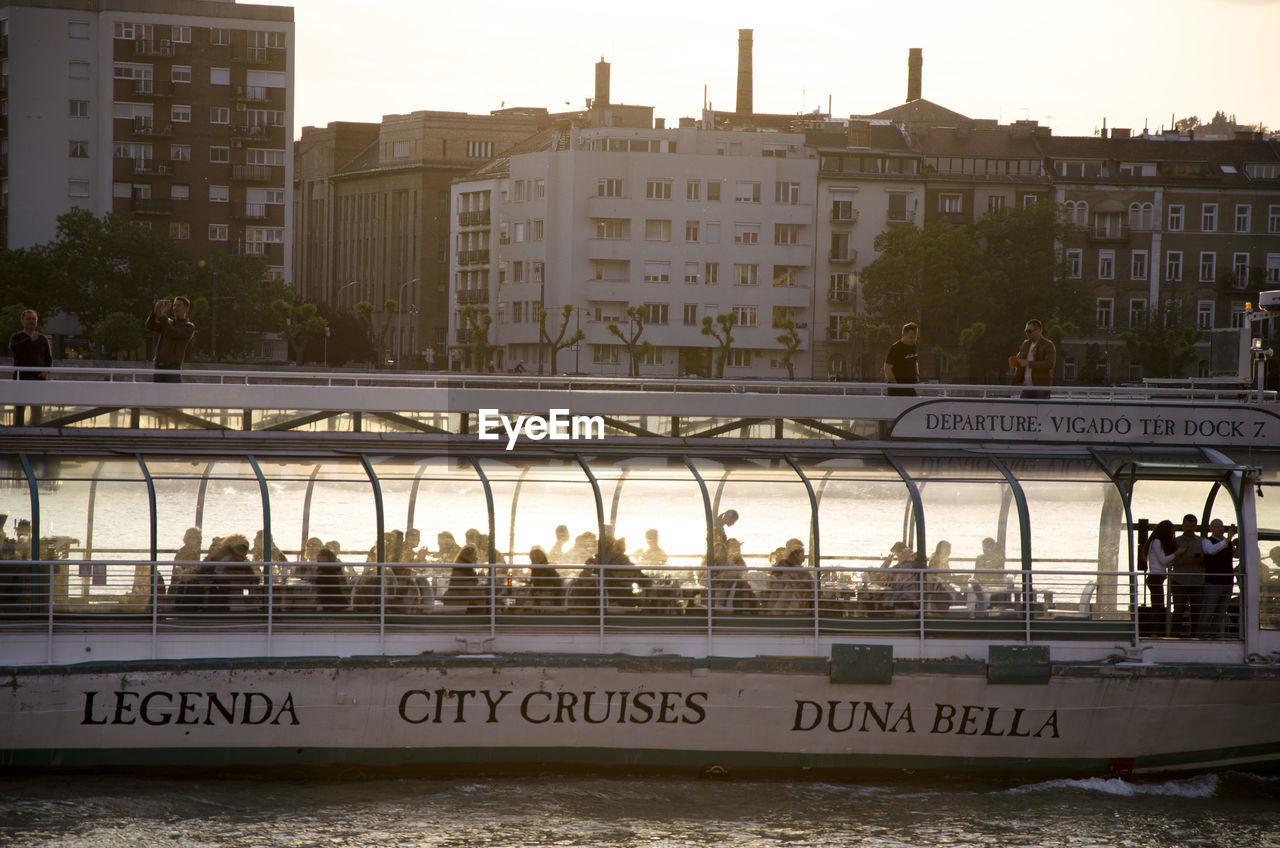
100,811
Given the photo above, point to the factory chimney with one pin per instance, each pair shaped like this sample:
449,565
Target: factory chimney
602,83
915,68
744,71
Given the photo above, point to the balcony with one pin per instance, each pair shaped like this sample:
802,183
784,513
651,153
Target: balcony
839,296
253,248
844,216
843,257
148,127
473,257
247,55
151,206
836,334
474,218
472,296
142,47
900,217
250,211
250,94
462,336
149,88
250,132
150,168
1113,233
251,173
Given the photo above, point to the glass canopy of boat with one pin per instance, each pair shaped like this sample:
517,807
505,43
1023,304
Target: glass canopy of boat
894,540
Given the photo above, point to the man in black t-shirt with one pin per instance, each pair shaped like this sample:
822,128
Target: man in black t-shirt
900,363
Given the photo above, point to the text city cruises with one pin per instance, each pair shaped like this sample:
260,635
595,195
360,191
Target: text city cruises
303,572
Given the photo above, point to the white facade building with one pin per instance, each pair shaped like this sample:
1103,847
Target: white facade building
684,222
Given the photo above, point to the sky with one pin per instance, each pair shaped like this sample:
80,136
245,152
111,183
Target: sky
1073,65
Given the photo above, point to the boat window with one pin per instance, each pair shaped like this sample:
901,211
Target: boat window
442,497
771,501
330,501
863,508
534,497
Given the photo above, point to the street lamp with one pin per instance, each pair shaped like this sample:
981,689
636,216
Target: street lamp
343,288
577,346
400,312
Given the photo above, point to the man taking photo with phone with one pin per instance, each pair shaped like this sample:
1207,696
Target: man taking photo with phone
169,321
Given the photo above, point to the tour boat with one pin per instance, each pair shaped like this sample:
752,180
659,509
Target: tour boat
840,583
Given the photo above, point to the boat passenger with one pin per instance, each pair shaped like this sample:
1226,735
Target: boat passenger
1162,547
448,547
1186,578
332,589
652,554
557,553
546,589
724,521
464,584
730,589
1219,574
187,559
791,584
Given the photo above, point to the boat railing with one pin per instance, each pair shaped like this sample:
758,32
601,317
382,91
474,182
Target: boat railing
209,376
1051,603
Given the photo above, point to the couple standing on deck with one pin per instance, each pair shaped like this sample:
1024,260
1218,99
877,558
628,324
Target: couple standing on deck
1033,363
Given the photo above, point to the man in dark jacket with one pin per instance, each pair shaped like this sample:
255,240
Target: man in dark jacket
175,333
30,349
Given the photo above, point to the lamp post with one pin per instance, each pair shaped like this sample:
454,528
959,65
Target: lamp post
577,319
400,312
326,346
343,288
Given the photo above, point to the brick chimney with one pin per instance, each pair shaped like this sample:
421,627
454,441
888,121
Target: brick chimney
915,69
744,71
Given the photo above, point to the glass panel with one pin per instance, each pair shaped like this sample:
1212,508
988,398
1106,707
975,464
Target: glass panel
548,504
765,517
643,494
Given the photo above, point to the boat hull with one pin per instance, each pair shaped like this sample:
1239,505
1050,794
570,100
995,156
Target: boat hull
726,716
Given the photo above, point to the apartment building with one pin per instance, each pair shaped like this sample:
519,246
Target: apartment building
1180,230
373,211
179,114
685,223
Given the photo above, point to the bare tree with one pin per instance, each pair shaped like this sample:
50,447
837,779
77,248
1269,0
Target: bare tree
478,324
636,349
559,343
790,340
724,337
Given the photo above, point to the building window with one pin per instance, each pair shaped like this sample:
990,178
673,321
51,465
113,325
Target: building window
1238,318
690,314
788,194
219,76
657,230
1175,218
539,272
1208,266
842,211
77,188
745,274
747,192
1075,263
517,273
78,150
1028,200
612,228
609,187
841,287
77,29
691,273
690,230
399,150
657,272
1077,212
605,354
1138,265
1137,312
518,232
1141,216
518,191
539,189
1173,266
77,70
479,149
1240,270
739,358
711,273
1208,217
219,115
995,203
217,232
657,189
837,327
1105,308
1244,212
655,313
1204,315
1273,213
693,190
220,155
179,231
180,192
80,109
713,190
180,73
950,204
1106,264
180,114
219,194
746,234
180,34
264,156
746,315
220,37
786,276
538,229
786,233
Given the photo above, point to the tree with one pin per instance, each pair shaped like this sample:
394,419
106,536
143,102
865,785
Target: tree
1163,346
27,277
364,313
723,337
301,324
559,343
238,289
868,342
636,349
478,324
119,334
790,341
